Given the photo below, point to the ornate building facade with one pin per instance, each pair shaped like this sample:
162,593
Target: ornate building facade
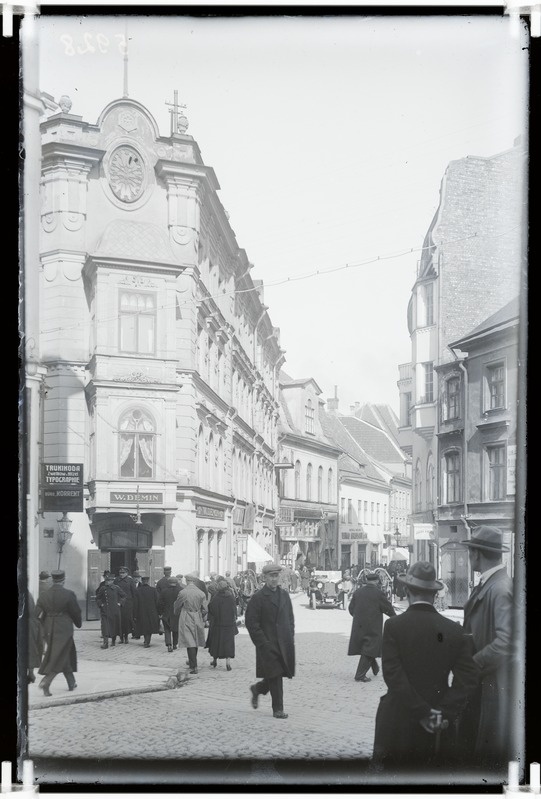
161,357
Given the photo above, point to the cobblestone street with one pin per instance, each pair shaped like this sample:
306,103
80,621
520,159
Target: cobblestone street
210,716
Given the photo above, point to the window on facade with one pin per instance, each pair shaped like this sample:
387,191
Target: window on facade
429,483
417,486
309,417
377,514
452,477
298,480
428,386
429,303
496,386
371,513
359,511
137,322
497,474
366,512
343,516
136,445
320,484
350,511
452,398
330,486
309,482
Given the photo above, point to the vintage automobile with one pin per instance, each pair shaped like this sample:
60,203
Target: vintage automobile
325,590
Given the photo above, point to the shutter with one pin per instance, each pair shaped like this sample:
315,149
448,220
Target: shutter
157,562
97,562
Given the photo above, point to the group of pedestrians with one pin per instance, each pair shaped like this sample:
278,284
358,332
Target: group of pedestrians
448,686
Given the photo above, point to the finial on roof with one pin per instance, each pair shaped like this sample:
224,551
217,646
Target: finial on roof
179,120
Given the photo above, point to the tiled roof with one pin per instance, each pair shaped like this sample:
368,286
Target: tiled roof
373,440
381,416
336,433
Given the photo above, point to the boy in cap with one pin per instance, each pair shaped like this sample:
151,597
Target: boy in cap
421,648
271,625
488,618
59,611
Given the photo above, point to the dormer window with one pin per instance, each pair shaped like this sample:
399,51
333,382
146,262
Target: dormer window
309,417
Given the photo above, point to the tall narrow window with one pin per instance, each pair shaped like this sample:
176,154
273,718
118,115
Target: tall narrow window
417,486
428,386
496,386
320,484
137,322
366,512
359,511
377,514
429,303
497,477
298,480
350,511
309,482
330,487
136,445
309,417
406,421
452,398
452,477
429,483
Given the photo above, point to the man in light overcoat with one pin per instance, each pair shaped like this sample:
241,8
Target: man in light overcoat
271,625
191,606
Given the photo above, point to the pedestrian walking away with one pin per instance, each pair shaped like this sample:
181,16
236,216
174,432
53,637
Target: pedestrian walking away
166,609
222,616
416,718
45,582
109,598
191,605
271,626
367,606
36,641
127,608
488,619
147,618
58,611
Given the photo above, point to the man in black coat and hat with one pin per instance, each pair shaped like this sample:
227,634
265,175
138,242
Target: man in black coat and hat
109,598
126,584
58,610
147,619
367,606
271,625
166,602
421,648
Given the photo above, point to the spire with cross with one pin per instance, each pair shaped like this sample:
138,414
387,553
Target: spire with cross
179,121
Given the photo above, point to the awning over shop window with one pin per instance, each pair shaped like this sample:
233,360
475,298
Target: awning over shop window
375,536
255,552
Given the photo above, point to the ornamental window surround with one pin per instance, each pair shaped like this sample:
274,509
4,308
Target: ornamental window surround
452,477
137,443
137,318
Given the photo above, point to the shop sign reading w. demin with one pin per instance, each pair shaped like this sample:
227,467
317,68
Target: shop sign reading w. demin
133,496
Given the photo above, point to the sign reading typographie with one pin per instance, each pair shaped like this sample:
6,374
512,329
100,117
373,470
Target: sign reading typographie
149,497
62,487
208,512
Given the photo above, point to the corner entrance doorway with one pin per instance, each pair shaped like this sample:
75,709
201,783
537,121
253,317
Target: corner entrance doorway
124,557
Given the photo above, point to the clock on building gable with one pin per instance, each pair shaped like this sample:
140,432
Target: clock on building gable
126,174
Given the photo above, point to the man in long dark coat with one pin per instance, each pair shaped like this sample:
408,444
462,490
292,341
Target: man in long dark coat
166,603
421,648
109,598
58,610
162,582
271,625
35,638
222,616
126,584
367,606
488,618
147,619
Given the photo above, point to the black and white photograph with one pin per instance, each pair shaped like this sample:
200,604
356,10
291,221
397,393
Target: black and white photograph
274,275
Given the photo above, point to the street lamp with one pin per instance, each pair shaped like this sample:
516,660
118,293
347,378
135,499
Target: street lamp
63,535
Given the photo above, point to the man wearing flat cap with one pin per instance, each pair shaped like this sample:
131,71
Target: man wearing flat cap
271,625
59,611
488,618
420,649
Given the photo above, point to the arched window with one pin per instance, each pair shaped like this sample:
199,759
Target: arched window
136,456
309,417
320,484
330,486
309,482
284,482
298,480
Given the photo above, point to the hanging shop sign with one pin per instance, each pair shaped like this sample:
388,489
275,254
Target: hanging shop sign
62,487
208,512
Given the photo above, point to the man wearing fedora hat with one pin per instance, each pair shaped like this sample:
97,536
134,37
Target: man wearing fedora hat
488,617
271,625
420,649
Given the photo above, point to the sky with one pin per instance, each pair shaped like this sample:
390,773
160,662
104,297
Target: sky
329,136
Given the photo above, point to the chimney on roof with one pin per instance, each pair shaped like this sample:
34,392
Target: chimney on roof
352,409
357,407
332,402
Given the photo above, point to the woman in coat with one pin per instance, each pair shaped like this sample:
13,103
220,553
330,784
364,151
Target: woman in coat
109,598
191,605
147,618
222,616
367,606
